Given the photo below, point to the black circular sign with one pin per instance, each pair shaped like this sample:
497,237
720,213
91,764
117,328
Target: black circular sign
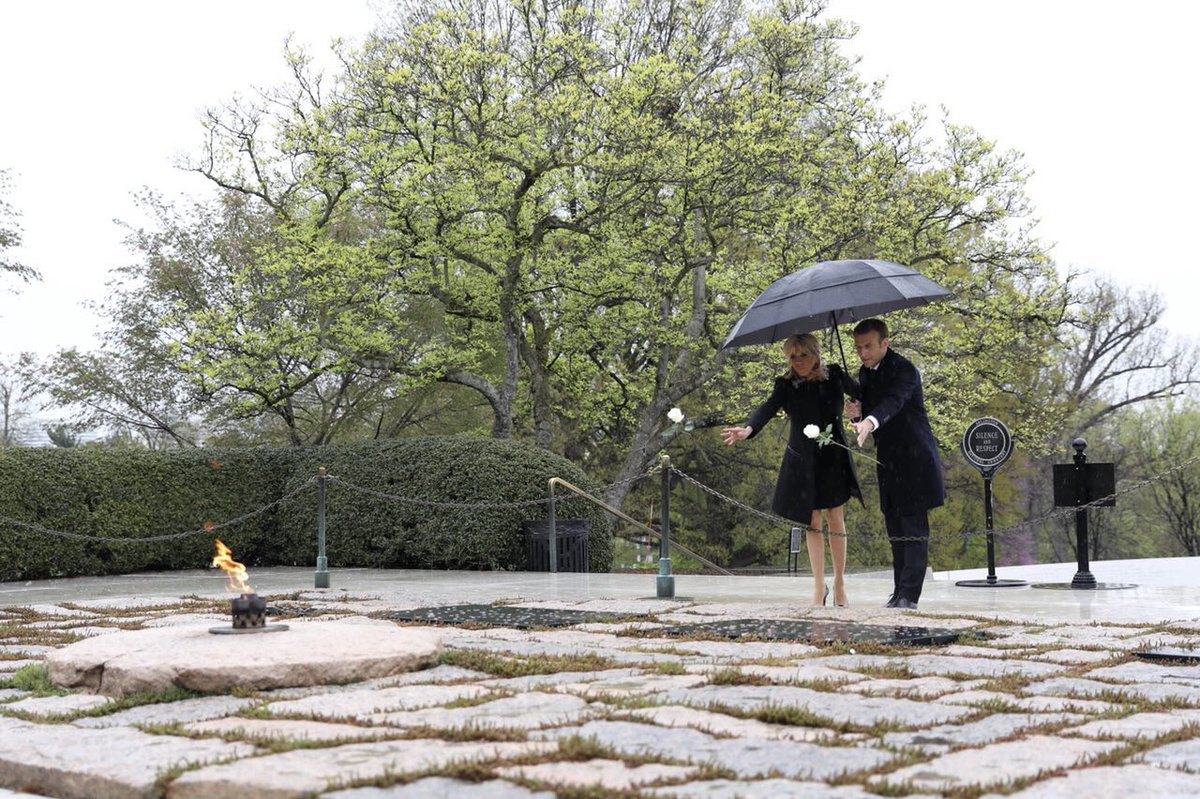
987,444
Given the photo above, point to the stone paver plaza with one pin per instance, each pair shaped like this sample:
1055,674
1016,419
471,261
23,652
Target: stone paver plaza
1039,697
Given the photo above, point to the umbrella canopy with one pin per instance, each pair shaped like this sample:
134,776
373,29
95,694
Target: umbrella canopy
831,293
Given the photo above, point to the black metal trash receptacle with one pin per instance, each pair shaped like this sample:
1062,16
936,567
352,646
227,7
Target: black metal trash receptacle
572,535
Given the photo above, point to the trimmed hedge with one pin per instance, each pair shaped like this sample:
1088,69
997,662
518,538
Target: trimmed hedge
137,494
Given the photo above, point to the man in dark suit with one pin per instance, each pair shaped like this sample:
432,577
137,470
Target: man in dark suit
910,472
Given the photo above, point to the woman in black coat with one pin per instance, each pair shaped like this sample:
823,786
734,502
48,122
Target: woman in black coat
812,479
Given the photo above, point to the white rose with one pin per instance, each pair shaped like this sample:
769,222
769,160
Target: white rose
811,430
675,415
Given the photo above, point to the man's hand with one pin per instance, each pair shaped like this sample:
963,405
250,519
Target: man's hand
864,429
852,409
731,435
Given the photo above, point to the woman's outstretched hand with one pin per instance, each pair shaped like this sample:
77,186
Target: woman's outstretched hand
731,435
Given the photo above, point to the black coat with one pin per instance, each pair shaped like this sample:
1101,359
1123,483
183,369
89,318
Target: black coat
810,477
910,474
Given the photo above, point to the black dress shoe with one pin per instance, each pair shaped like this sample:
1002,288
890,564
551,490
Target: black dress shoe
905,604
891,603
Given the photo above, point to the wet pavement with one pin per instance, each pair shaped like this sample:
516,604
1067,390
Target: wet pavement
1041,695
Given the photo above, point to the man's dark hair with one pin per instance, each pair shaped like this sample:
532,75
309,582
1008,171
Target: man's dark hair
872,325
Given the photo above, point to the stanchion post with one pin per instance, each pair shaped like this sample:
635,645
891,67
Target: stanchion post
666,581
1084,577
987,445
322,574
987,517
552,536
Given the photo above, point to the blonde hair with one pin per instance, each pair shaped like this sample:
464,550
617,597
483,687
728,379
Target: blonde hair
805,342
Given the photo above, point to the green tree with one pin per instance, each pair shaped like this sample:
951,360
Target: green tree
16,389
10,233
63,435
562,209
1113,356
1164,440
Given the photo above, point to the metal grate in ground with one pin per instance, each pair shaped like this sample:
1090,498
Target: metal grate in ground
815,632
505,616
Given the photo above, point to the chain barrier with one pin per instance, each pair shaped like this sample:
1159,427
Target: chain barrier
306,485
207,529
771,517
1052,515
431,503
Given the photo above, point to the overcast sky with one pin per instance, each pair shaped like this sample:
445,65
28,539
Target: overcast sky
101,99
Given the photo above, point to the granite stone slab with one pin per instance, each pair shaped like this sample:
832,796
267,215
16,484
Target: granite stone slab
31,650
11,694
1110,638
133,603
914,688
542,681
436,674
528,711
1123,781
1068,686
1030,704
156,659
64,761
837,708
1075,657
803,672
555,649
1141,671
364,702
980,651
726,726
199,709
1183,755
55,610
301,773
1136,727
610,774
255,730
728,650
764,789
746,758
945,737
44,706
996,764
204,620
638,684
443,788
935,665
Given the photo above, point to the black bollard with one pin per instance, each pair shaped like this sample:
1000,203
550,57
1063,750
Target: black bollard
1084,485
1084,577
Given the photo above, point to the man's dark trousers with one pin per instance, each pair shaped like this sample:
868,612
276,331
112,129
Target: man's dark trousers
909,558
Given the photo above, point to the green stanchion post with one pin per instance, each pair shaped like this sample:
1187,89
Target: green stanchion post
322,574
666,581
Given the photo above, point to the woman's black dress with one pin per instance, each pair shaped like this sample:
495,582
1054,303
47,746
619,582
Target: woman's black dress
811,477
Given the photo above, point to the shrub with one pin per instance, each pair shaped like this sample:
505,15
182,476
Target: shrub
138,494
368,530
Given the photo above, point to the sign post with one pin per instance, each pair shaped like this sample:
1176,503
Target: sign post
986,445
1084,485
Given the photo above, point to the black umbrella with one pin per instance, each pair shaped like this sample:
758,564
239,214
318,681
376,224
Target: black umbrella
830,293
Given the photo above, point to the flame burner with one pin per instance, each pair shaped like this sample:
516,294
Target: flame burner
249,610
249,613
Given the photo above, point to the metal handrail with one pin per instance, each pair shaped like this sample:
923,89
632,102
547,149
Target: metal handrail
621,515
